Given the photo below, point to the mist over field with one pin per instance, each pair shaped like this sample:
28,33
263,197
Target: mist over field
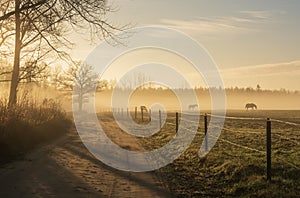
236,99
265,100
123,98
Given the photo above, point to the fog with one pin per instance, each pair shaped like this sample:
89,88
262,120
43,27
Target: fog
265,100
166,98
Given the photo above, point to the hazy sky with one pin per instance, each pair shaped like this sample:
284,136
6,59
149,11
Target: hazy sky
252,41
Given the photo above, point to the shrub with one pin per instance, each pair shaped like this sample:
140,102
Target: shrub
28,124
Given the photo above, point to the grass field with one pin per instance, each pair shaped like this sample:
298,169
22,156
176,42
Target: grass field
236,166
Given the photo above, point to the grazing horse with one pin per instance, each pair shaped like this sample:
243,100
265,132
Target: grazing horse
250,105
193,107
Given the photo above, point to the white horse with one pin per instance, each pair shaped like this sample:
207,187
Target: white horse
193,107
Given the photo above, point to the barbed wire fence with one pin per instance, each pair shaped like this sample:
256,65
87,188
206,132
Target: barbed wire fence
269,132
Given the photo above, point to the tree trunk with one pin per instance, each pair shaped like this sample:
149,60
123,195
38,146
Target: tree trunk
80,101
16,68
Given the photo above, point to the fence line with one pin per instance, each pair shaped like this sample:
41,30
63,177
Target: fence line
285,122
190,120
232,143
191,114
241,146
235,118
190,130
268,138
170,123
284,161
236,131
268,132
286,138
252,149
185,128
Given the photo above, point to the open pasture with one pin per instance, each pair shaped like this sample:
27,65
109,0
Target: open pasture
236,165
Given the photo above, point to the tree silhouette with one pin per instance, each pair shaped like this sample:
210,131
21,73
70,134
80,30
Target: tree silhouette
80,78
33,24
258,87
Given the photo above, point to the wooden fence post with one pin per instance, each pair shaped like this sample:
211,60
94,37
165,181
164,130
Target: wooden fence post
149,115
205,132
268,130
159,117
142,112
176,123
135,112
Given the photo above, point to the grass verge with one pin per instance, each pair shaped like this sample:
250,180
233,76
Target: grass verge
28,124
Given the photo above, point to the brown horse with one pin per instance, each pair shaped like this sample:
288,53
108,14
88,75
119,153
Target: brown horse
250,105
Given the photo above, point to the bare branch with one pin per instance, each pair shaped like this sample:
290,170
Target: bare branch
24,7
31,24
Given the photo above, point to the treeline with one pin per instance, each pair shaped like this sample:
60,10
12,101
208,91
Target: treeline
233,90
63,79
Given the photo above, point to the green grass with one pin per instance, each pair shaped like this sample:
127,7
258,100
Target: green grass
229,170
28,124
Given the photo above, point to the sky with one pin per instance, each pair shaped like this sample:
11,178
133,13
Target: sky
251,41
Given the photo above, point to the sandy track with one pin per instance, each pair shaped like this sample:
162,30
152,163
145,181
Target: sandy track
66,169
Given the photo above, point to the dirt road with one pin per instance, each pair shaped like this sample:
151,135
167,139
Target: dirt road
66,169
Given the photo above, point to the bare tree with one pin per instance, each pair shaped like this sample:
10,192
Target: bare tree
34,71
258,87
30,24
81,78
31,71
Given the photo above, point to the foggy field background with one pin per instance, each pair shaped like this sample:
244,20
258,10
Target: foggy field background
64,62
236,98
266,100
232,167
